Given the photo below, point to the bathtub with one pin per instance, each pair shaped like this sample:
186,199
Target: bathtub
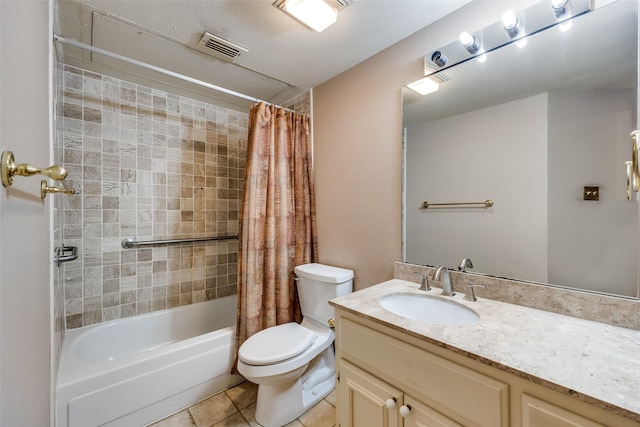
134,371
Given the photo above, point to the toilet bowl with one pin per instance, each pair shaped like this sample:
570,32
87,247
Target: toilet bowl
294,364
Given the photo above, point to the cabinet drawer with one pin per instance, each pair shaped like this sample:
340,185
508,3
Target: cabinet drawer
467,396
536,412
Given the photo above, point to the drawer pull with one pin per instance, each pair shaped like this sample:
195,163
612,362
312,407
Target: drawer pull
405,410
390,403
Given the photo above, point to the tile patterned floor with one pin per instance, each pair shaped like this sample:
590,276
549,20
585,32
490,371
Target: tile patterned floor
236,408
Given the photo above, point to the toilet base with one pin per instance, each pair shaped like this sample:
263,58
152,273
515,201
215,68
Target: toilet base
279,404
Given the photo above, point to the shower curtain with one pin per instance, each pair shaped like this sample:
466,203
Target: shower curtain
277,219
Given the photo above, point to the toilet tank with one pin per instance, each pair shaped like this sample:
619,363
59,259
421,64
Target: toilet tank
317,284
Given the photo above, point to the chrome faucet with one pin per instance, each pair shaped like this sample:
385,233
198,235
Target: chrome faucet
446,281
466,263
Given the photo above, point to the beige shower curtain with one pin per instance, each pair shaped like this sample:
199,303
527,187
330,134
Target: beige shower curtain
277,219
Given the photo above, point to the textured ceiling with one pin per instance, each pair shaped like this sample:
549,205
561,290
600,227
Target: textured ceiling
281,50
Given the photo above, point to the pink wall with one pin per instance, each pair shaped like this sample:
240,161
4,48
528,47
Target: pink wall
357,120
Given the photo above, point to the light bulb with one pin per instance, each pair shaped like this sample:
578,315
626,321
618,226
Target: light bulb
566,26
561,9
509,20
511,24
471,43
466,39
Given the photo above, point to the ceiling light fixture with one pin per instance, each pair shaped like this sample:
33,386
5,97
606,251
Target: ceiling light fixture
315,14
424,86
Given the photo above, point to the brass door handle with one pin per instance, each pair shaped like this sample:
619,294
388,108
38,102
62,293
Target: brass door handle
10,168
634,161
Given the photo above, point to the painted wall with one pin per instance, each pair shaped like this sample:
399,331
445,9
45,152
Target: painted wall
470,157
357,148
25,232
592,243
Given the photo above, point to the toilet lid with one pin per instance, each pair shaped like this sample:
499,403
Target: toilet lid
276,344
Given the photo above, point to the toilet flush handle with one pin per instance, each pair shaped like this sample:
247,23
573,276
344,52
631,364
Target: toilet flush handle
331,323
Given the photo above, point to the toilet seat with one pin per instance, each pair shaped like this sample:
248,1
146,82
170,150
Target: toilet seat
276,344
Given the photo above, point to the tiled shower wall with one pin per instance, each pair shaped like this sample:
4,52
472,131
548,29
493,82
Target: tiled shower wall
148,165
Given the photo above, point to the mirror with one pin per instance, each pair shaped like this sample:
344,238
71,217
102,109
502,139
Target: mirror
530,129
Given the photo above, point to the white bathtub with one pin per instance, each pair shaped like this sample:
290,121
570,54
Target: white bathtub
131,372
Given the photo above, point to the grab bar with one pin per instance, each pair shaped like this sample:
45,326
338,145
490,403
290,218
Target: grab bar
486,204
130,243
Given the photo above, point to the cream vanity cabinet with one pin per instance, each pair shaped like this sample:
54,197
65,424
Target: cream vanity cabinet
368,401
389,379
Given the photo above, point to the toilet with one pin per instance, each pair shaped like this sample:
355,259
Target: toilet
294,364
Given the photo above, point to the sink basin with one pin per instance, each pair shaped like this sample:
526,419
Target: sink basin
428,309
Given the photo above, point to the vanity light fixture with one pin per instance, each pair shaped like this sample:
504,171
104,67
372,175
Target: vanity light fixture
439,59
561,9
315,14
514,27
424,86
511,24
471,43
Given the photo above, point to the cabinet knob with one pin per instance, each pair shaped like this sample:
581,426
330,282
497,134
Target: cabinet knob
405,410
390,403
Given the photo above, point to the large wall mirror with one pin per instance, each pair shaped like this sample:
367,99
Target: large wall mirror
530,128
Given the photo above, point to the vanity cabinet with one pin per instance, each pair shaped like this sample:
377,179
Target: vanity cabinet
436,389
368,401
389,379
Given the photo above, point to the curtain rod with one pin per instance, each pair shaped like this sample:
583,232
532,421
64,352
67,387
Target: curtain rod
76,43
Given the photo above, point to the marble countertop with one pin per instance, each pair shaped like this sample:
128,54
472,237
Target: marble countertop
595,362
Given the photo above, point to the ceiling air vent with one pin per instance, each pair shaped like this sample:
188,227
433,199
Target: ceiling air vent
339,4
220,48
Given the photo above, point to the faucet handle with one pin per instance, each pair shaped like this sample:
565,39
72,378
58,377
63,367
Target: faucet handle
471,295
424,286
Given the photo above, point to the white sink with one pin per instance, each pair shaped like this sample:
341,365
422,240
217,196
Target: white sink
428,309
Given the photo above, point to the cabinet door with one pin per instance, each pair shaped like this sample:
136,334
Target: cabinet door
538,413
420,415
362,400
